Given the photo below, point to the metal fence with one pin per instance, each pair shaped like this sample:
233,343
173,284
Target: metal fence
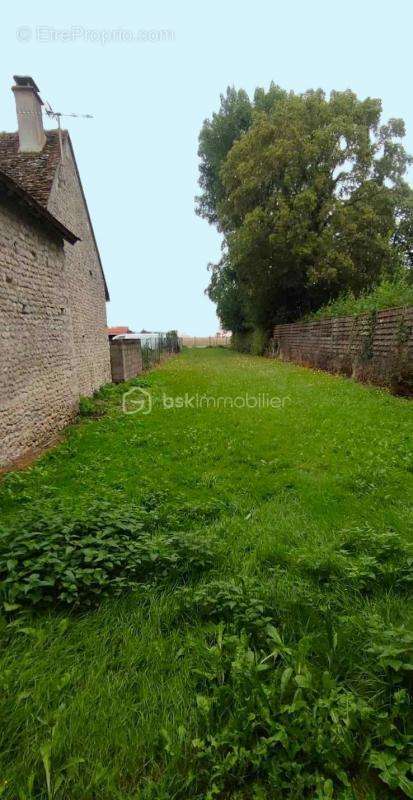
155,348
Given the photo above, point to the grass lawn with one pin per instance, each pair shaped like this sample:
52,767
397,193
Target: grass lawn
260,645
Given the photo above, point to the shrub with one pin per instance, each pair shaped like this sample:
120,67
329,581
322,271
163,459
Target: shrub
388,294
240,605
253,341
172,342
259,342
75,562
392,648
91,407
242,341
364,559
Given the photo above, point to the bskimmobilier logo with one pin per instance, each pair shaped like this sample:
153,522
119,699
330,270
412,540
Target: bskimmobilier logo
137,401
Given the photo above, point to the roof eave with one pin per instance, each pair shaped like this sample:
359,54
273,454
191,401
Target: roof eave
36,209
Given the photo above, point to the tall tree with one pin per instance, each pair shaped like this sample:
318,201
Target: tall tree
215,141
223,290
311,199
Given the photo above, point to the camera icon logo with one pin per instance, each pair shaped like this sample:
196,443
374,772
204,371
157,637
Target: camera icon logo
137,401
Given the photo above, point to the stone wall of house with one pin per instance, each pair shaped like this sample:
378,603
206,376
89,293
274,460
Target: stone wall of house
84,278
375,347
38,386
125,359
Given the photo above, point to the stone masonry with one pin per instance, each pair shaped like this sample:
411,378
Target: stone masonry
125,359
38,387
52,317
53,331
84,278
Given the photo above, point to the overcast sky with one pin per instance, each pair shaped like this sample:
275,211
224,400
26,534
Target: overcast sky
138,155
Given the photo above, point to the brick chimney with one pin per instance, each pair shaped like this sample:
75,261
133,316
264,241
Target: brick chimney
29,115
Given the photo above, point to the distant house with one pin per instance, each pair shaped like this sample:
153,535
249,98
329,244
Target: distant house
117,331
53,291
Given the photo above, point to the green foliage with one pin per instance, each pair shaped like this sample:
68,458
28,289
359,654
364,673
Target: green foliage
392,747
76,562
259,342
242,342
215,141
172,341
90,407
241,606
271,720
253,341
223,290
387,294
269,641
250,341
365,560
310,195
272,726
393,649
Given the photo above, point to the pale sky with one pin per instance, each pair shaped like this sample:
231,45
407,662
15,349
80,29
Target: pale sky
138,155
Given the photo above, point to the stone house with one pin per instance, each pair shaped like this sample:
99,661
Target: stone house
53,329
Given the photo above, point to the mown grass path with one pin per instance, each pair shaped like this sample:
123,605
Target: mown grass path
102,703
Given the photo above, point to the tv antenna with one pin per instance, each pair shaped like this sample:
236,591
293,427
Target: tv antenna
57,115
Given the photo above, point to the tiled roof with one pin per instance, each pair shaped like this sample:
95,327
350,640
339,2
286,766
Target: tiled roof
34,172
118,330
10,189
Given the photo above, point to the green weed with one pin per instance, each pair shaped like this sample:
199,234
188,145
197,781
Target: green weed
388,294
75,562
212,603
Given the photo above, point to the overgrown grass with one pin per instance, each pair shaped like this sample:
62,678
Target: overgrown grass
213,602
388,294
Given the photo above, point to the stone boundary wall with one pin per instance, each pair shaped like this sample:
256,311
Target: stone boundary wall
375,346
125,359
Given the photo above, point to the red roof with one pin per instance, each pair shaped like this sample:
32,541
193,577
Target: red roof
118,330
